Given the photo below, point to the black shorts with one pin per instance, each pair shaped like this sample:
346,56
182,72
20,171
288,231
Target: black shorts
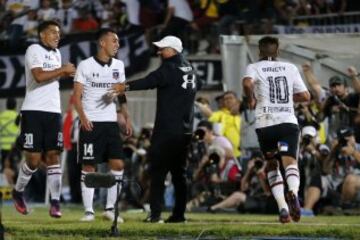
41,131
282,139
101,144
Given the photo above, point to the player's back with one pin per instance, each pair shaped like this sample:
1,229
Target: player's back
275,83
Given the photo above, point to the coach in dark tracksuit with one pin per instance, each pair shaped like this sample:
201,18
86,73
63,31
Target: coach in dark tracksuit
176,84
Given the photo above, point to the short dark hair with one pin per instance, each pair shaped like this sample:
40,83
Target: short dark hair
268,46
103,31
206,124
11,103
45,24
230,92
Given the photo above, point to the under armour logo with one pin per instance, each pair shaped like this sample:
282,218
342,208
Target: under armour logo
189,79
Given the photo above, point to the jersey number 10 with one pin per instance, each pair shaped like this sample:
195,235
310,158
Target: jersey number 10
279,90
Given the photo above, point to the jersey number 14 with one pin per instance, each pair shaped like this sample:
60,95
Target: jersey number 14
278,89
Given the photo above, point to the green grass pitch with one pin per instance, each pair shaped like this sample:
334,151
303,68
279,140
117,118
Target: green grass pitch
39,226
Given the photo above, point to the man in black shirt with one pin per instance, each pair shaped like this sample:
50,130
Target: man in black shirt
341,106
176,84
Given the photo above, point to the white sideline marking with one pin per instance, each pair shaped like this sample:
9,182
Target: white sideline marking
278,223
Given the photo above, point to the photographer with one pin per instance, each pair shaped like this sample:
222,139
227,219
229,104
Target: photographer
220,155
254,195
308,157
218,169
338,105
340,180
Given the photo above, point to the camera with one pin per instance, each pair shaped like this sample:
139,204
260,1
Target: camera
343,134
306,140
199,134
145,133
216,153
258,164
336,100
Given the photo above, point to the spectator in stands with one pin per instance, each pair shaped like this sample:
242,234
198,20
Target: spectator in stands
150,13
208,14
228,13
351,5
133,13
320,7
178,17
30,27
17,11
85,22
94,7
66,15
46,12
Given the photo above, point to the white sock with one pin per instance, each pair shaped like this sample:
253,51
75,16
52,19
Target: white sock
292,177
277,188
54,181
87,194
112,192
25,174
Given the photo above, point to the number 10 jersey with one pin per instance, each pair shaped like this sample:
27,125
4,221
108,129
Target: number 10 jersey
275,83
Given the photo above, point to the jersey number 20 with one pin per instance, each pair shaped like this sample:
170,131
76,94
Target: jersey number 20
279,89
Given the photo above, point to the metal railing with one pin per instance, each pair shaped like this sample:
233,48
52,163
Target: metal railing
328,19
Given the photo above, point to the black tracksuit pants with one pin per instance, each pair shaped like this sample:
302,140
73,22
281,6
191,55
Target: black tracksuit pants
168,153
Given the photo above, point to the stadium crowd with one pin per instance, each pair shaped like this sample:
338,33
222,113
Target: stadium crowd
196,22
224,171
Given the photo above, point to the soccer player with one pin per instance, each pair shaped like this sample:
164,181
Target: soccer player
273,86
41,115
99,137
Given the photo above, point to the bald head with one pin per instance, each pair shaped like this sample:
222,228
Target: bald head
268,47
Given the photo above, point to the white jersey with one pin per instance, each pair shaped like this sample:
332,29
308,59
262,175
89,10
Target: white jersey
41,96
275,83
97,79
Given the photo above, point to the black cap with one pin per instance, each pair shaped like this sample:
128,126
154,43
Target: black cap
336,80
344,132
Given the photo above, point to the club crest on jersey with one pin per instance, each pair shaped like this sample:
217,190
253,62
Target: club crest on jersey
116,74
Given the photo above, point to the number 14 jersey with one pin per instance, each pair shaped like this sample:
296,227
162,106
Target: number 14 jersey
275,83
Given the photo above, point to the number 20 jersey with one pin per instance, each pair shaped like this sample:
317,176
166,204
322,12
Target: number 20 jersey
275,83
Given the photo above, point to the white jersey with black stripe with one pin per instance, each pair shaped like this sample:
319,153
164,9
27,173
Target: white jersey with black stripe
97,79
275,83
